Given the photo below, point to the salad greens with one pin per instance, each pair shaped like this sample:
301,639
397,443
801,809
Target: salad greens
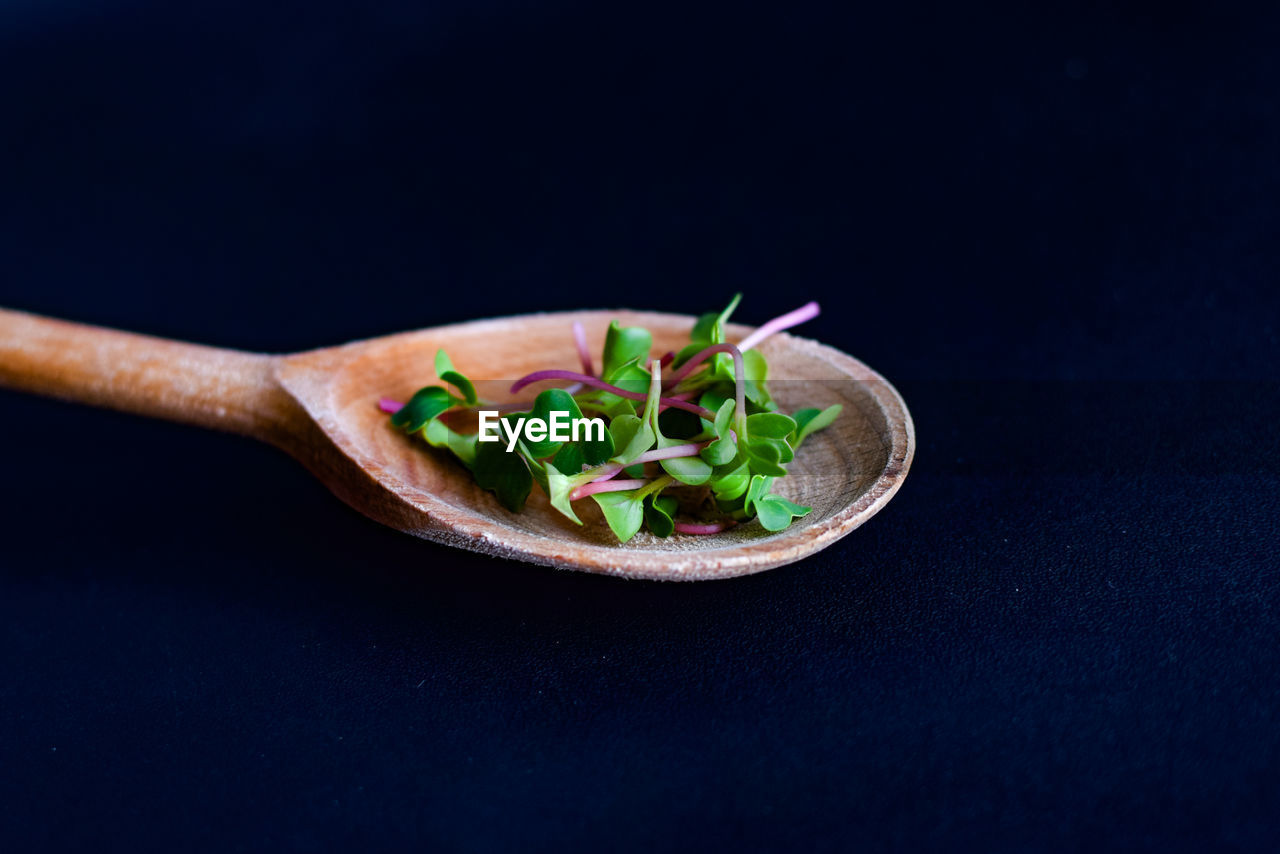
694,442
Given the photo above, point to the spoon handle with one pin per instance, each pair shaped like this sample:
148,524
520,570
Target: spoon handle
211,387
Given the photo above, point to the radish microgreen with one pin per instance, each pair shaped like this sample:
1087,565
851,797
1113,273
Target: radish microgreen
723,456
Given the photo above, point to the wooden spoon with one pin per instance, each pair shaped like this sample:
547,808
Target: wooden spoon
321,407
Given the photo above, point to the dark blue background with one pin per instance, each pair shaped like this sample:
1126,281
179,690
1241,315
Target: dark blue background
1055,228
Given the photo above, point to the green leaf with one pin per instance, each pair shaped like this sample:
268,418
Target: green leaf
574,456
758,488
719,368
559,487
537,469
635,435
720,451
770,456
709,329
623,429
503,473
569,460
420,415
630,376
714,397
724,416
438,435
775,512
622,345
724,448
763,456
687,352
693,471
802,417
610,405
732,484
770,425
443,363
728,312
597,451
704,330
658,511
623,511
548,402
810,421
755,369
448,373
632,435
426,404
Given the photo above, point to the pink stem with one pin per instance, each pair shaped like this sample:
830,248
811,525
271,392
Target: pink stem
668,358
595,382
708,528
389,406
580,338
605,486
689,449
808,311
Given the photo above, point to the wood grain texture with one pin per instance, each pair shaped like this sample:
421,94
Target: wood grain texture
207,386
321,407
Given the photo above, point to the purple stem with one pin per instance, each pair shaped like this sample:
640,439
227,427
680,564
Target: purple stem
700,357
595,382
605,486
580,338
684,395
707,528
740,391
808,311
391,406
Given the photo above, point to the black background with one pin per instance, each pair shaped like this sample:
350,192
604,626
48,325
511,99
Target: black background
1054,228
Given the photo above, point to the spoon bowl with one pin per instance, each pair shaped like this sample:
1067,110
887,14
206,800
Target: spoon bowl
321,406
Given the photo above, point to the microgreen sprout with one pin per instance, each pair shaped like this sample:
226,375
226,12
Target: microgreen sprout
711,474
806,312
